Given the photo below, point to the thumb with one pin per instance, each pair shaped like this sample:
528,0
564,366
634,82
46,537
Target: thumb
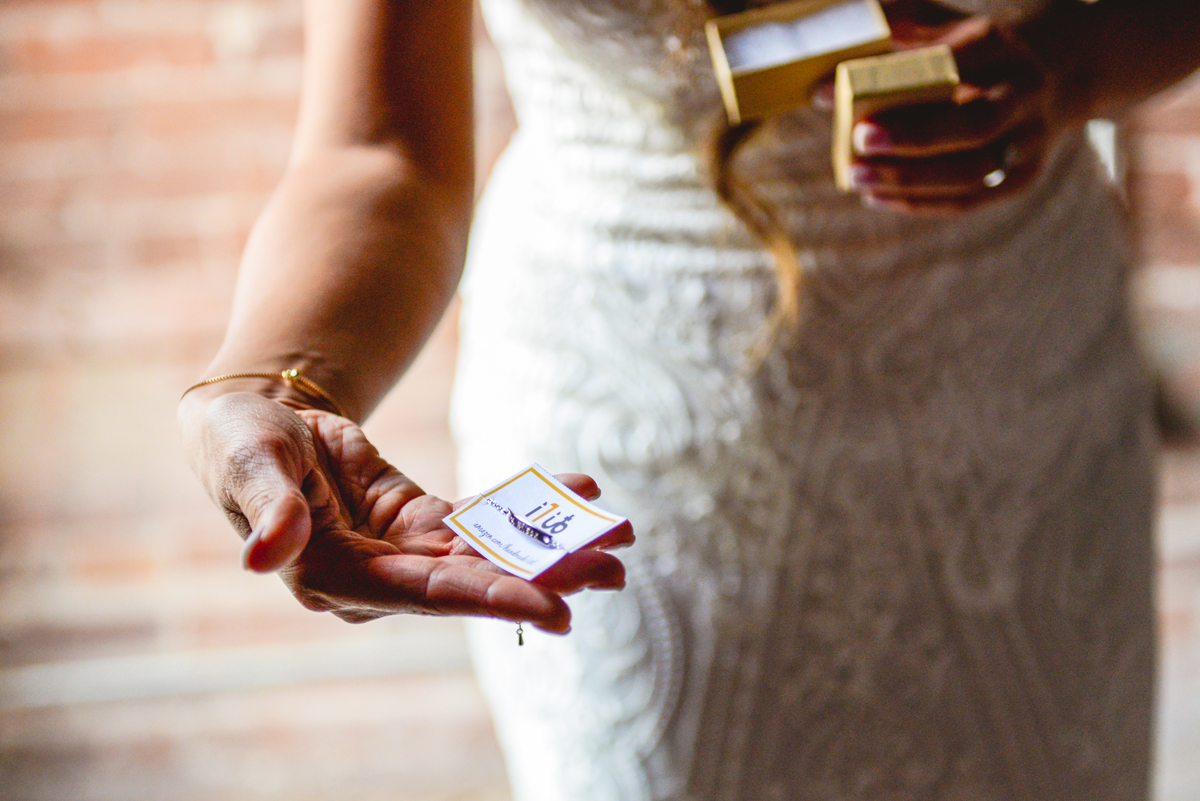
268,471
280,529
253,455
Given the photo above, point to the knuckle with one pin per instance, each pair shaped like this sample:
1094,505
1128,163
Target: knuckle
251,454
252,466
253,502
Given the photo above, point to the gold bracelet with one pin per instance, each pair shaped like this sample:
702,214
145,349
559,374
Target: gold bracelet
291,377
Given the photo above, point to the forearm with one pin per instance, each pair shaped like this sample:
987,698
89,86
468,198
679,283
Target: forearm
1110,55
359,250
346,272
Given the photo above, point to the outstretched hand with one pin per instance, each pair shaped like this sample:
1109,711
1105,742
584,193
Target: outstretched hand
352,535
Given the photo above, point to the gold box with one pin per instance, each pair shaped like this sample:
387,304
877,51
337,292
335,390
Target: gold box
767,60
867,86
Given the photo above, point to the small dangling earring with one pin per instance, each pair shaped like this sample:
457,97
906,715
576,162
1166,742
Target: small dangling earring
520,635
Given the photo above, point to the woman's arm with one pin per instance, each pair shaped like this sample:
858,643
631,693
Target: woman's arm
345,273
360,248
1107,56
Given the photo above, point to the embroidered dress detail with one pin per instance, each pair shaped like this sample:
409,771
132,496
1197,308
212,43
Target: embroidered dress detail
908,558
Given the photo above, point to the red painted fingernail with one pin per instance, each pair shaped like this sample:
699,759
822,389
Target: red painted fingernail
880,204
822,98
870,138
863,176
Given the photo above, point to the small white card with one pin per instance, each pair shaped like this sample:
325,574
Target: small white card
530,521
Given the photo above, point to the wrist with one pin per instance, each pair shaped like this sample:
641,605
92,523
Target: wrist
1060,40
288,387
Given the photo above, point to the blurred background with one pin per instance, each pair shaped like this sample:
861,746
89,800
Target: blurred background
138,141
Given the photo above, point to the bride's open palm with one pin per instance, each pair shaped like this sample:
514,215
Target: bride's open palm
352,535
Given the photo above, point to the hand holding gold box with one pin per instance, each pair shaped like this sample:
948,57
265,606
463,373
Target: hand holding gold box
867,86
767,60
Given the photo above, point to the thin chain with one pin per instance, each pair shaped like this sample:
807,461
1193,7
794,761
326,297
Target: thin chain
291,377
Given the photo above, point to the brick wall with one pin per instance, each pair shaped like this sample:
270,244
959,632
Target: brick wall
138,140
1163,184
1164,187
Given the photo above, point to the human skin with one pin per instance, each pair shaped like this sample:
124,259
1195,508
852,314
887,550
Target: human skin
361,247
1024,85
349,267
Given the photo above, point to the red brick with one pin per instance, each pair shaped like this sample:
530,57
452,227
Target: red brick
102,221
418,738
106,54
1167,217
206,630
49,197
1177,624
56,642
1180,477
175,251
166,120
281,41
17,198
41,123
173,119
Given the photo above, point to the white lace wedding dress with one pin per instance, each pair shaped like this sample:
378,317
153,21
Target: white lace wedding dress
909,558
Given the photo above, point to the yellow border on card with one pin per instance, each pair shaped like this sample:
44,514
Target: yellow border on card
541,478
463,532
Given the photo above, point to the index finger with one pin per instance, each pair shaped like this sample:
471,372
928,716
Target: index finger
620,537
450,585
934,129
583,570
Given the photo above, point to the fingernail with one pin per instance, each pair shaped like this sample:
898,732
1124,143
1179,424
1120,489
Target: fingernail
862,176
878,203
250,542
822,98
869,138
